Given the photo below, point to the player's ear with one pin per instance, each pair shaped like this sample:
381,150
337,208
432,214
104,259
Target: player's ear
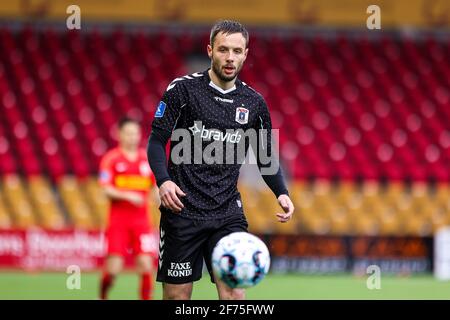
209,49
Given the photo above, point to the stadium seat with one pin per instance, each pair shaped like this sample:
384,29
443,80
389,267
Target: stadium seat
258,217
75,203
5,219
96,200
16,199
43,199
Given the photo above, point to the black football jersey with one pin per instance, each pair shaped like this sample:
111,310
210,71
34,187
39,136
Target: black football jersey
213,123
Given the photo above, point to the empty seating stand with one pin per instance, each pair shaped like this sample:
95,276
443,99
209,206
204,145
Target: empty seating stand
364,124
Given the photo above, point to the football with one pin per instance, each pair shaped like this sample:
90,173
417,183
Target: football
240,259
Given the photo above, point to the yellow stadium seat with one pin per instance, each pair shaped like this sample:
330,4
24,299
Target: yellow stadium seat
260,218
75,203
345,193
43,199
5,219
99,203
355,206
417,225
403,205
373,198
442,194
269,205
366,224
421,197
322,189
17,199
96,200
303,200
439,218
298,190
312,222
395,193
154,212
340,220
390,222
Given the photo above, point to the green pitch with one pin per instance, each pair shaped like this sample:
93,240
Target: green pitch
20,285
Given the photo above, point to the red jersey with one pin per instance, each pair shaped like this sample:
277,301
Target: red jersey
130,175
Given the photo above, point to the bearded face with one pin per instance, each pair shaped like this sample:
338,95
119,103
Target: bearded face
227,54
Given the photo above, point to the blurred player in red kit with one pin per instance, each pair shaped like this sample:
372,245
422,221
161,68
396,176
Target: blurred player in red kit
127,180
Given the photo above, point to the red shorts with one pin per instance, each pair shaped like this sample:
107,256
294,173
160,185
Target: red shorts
126,238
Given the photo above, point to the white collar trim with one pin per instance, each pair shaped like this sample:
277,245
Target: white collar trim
212,84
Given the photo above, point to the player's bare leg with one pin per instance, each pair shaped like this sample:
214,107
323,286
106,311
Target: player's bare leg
113,267
177,291
144,268
227,293
114,264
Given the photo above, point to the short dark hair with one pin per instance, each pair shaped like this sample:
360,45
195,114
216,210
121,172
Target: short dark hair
228,27
123,121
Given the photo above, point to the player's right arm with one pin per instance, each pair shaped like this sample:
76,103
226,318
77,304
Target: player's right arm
106,182
166,116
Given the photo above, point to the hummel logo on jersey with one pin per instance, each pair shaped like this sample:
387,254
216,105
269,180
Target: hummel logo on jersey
161,247
170,86
214,134
224,100
175,81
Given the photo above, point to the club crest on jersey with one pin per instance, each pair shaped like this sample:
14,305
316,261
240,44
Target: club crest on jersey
121,167
242,115
144,169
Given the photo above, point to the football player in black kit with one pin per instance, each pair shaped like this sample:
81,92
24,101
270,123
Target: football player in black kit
200,202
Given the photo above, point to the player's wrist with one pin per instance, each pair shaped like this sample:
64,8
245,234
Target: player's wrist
283,194
162,181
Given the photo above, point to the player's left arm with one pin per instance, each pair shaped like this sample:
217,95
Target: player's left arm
271,171
154,191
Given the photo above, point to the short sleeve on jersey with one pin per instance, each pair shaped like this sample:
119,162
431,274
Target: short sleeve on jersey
169,108
105,176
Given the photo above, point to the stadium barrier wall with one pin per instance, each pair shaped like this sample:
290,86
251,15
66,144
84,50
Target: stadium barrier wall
37,249
314,254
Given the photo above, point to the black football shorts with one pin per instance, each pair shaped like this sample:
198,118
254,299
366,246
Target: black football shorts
185,243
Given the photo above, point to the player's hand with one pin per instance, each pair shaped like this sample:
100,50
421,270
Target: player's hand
169,194
288,207
135,198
